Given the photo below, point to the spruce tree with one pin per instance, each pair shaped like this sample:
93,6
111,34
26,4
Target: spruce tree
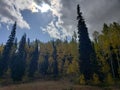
44,65
33,66
6,51
85,47
28,42
55,63
13,53
19,62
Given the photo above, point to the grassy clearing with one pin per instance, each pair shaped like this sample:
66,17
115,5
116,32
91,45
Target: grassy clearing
52,85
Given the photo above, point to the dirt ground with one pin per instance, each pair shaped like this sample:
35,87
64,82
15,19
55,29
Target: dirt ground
52,85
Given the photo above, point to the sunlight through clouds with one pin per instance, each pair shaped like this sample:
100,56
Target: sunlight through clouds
36,8
63,14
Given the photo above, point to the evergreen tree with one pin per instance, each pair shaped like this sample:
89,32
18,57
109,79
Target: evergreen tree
28,42
13,53
19,63
55,63
85,47
44,65
6,52
33,66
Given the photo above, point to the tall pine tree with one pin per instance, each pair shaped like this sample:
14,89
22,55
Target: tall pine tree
43,67
6,52
85,47
33,66
55,63
19,63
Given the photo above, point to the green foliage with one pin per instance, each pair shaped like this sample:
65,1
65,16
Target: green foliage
43,68
85,47
109,79
119,71
65,68
67,59
108,51
18,65
33,66
55,63
73,68
96,80
4,62
82,79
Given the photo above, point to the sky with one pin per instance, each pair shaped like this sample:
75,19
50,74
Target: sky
48,19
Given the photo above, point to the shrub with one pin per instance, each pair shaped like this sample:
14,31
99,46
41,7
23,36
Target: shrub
82,79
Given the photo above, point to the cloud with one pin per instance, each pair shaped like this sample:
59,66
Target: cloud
41,1
8,28
55,28
0,25
95,12
52,31
10,11
64,23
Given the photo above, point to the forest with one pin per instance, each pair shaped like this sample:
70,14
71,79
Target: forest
81,60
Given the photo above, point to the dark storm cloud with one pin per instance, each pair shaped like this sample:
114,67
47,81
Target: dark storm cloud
95,12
